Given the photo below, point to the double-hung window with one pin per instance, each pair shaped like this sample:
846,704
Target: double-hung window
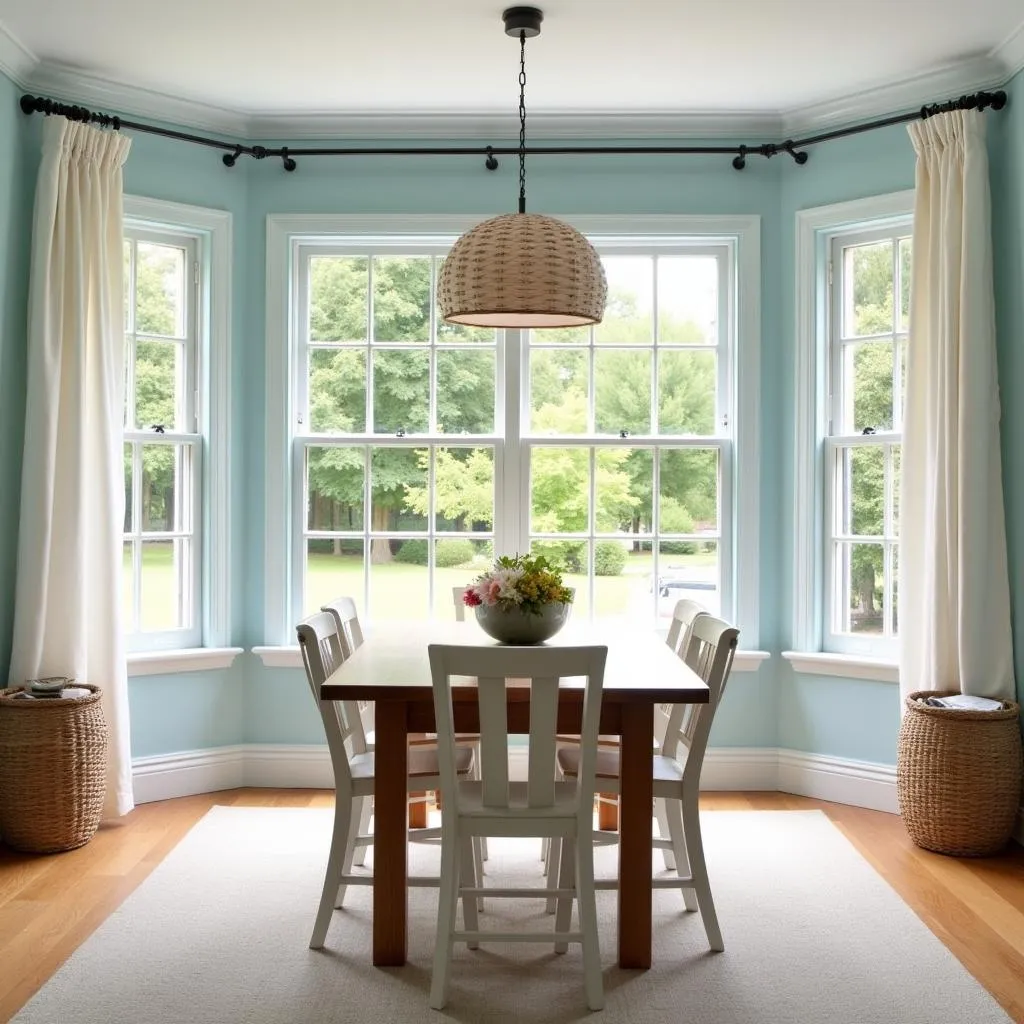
868,278
416,451
162,442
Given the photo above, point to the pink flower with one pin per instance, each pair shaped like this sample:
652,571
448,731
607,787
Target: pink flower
492,590
471,598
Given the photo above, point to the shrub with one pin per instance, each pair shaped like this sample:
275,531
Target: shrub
679,547
412,552
609,558
450,553
566,555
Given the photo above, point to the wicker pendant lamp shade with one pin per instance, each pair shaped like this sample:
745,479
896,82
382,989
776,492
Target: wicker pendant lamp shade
522,269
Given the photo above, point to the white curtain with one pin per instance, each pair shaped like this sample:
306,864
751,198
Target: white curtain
67,618
953,578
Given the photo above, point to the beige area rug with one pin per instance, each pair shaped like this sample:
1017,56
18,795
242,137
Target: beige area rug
218,934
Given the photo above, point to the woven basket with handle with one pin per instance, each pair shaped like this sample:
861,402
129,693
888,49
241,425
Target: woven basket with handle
958,775
53,766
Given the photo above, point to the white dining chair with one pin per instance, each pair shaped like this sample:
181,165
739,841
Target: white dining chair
539,807
353,765
708,650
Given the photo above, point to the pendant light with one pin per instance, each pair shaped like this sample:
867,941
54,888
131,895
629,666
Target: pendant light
522,269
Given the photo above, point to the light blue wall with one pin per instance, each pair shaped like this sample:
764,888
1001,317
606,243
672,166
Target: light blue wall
251,703
1007,136
15,228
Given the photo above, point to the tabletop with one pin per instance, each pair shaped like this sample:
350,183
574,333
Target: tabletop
393,664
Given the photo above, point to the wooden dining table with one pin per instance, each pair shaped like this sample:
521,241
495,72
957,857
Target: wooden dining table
392,669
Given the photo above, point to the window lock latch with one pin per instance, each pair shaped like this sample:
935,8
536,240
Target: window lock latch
868,430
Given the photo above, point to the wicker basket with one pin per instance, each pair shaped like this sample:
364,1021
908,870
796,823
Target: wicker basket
958,776
53,766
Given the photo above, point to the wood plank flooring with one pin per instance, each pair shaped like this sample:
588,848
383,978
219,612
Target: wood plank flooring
49,905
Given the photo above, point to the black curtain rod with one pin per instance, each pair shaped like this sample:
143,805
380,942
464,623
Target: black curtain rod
794,148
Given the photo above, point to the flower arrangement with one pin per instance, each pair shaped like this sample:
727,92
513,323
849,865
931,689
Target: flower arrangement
518,581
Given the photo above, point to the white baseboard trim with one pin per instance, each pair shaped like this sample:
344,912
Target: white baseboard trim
165,776
861,783
283,766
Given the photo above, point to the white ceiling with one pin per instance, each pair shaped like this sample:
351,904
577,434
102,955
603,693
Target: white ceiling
628,66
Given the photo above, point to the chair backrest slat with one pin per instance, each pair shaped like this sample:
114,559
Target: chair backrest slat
350,637
493,741
683,616
545,667
709,652
460,605
322,653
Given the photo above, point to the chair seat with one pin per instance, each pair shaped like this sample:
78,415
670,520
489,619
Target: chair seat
471,804
665,769
422,762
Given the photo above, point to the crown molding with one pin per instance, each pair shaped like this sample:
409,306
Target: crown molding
17,61
1010,52
113,97
898,94
562,124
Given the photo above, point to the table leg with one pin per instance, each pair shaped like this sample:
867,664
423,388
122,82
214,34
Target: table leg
635,834
390,840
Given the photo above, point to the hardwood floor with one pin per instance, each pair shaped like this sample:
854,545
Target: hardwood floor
49,905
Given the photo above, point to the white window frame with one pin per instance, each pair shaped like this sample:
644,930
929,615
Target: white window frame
206,646
743,470
872,659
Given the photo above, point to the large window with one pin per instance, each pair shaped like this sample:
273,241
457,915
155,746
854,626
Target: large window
421,449
162,443
868,312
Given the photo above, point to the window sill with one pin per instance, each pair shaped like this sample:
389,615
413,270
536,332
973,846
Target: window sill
849,666
290,657
188,659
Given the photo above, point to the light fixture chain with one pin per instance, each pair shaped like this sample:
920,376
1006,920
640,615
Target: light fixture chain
522,122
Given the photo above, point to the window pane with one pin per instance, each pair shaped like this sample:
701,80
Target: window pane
687,569
896,452
867,289
868,372
338,290
624,487
166,579
688,490
160,290
864,492
463,489
128,473
686,392
158,384
449,574
161,470
571,558
465,392
334,477
560,490
399,589
401,392
334,568
559,385
687,300
622,399
398,484
128,588
628,315
624,594
560,335
859,578
905,251
401,298
337,391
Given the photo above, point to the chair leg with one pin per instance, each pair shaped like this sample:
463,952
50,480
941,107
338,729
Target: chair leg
335,869
587,904
682,858
365,810
477,847
551,871
566,880
468,877
699,870
662,816
446,907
